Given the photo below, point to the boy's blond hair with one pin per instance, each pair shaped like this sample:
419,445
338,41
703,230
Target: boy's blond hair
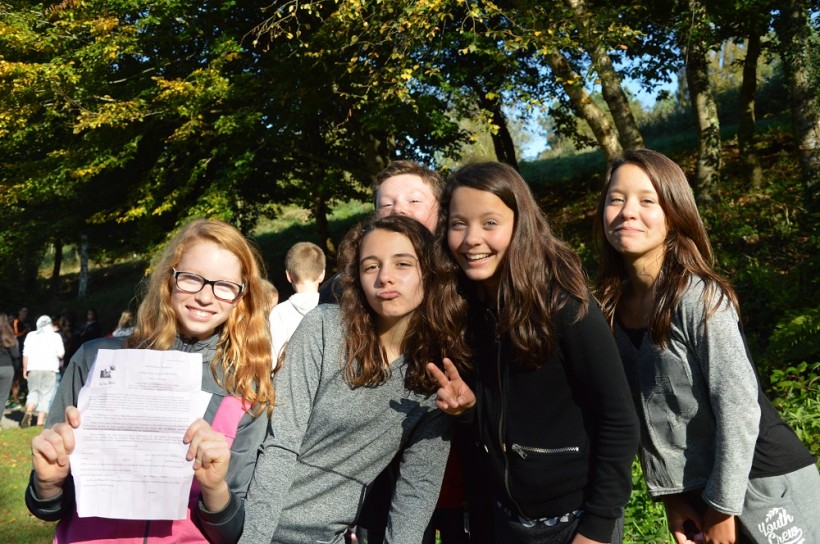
305,261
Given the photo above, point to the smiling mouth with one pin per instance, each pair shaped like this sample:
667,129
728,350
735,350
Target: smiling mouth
476,256
199,313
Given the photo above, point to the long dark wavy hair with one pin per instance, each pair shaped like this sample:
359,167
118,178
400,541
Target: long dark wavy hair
539,272
436,328
688,251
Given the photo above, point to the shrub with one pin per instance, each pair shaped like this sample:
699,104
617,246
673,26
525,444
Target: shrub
644,518
795,393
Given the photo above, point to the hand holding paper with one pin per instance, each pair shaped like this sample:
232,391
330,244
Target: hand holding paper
129,460
49,455
211,455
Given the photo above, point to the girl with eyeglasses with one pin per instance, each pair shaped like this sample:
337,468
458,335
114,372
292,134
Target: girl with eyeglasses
204,296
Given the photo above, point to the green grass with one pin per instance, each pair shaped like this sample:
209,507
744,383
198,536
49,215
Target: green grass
644,519
17,525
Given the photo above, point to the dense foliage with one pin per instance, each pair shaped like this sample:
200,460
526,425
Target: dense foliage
119,120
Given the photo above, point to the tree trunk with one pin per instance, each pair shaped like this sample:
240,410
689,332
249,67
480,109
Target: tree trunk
502,139
611,86
55,271
796,50
707,171
319,210
746,127
82,291
378,148
28,265
584,106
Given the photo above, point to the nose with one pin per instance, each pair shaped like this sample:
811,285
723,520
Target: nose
205,295
384,276
629,208
472,237
400,208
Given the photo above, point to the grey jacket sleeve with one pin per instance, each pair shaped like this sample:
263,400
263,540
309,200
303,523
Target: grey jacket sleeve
732,389
420,475
296,386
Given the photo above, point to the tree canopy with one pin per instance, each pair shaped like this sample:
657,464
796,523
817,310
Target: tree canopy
120,120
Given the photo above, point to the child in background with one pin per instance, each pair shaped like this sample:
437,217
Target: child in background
20,326
305,270
204,296
125,326
556,427
272,294
402,188
92,328
713,447
357,392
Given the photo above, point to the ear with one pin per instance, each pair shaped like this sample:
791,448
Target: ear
322,276
287,275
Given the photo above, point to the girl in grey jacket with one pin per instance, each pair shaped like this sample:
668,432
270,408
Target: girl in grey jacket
713,448
224,319
354,392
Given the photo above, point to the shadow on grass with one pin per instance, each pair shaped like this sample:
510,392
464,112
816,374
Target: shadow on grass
17,525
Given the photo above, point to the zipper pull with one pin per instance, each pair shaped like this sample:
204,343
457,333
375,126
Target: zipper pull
519,450
489,316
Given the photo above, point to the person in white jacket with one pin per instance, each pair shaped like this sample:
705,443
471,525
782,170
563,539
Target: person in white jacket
42,352
305,270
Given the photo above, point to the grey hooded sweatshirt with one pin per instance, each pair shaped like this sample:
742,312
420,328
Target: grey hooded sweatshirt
329,441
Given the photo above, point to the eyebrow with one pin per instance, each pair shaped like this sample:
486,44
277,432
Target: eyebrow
641,192
404,194
395,256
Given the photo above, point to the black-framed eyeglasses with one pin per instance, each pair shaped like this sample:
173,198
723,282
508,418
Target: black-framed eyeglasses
224,290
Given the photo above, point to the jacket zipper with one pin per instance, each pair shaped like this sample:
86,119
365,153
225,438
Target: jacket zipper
522,450
501,422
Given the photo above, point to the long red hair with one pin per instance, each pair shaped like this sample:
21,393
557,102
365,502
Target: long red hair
242,363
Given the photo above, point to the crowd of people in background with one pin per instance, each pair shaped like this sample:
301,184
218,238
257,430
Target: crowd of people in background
29,377
459,378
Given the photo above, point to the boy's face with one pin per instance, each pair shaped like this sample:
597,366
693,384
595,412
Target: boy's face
408,194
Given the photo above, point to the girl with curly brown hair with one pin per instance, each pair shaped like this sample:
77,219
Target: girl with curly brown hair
356,391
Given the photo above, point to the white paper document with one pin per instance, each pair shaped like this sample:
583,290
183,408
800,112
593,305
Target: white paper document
129,461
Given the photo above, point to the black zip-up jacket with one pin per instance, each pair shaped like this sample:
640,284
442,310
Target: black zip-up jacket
562,436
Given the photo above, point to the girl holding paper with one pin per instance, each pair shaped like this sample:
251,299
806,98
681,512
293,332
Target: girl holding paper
204,296
356,391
